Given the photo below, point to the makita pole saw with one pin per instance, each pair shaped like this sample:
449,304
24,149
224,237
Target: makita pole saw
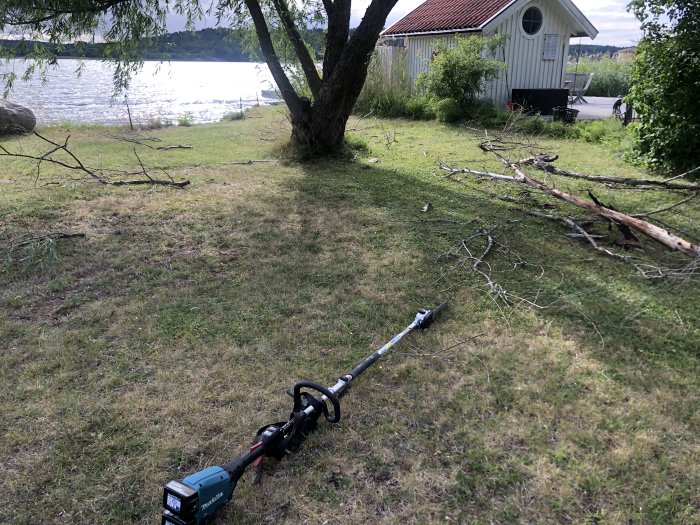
195,499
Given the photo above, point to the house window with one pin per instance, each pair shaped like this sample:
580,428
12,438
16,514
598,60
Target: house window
532,20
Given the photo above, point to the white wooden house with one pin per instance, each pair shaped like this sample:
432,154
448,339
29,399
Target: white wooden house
536,50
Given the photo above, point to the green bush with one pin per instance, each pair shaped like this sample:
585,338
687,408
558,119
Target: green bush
601,131
382,98
665,82
186,119
419,108
233,115
449,110
459,72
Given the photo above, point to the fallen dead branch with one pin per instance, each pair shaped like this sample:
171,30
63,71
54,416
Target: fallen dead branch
246,162
667,208
143,141
647,271
544,163
655,232
16,245
472,252
75,164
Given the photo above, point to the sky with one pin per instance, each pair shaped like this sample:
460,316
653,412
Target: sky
616,26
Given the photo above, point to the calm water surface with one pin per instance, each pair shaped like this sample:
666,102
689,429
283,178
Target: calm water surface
207,90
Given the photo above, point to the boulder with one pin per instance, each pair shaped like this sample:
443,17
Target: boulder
15,118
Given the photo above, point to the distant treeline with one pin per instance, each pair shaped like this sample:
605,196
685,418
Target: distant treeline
221,45
590,50
216,45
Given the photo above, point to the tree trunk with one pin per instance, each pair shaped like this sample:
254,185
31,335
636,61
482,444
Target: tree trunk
320,126
317,130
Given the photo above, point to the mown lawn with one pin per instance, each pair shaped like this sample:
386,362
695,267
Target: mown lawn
565,392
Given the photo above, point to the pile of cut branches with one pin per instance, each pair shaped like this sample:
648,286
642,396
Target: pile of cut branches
631,226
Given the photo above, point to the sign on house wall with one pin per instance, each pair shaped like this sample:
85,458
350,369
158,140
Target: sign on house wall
551,46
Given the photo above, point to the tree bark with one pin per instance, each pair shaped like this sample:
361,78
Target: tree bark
319,125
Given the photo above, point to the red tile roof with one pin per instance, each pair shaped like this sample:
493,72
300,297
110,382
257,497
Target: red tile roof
447,15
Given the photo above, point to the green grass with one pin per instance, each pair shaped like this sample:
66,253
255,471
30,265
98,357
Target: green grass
159,343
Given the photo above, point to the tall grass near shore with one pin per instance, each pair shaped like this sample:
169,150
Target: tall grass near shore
158,344
611,76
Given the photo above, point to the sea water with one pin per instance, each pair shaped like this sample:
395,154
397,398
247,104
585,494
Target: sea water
197,91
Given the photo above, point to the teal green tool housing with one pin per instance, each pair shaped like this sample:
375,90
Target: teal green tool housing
197,497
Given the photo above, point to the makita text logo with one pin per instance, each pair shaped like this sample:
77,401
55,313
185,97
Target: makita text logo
209,503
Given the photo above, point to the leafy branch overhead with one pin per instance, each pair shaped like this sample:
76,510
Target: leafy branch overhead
319,107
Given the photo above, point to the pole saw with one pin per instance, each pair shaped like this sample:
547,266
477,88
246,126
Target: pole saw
196,498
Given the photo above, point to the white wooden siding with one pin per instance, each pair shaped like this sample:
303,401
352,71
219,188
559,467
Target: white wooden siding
524,56
421,49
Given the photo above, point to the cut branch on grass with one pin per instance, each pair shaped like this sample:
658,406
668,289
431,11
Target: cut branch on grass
15,245
141,141
544,163
647,271
246,162
667,208
98,175
661,235
467,257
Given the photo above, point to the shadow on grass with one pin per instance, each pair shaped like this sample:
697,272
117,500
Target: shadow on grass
180,328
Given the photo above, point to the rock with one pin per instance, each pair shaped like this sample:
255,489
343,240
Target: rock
15,118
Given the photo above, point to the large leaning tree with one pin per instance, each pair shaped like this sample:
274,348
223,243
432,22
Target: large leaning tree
318,119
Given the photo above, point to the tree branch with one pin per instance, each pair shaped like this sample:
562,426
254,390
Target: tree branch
287,91
648,273
663,236
542,164
337,35
72,8
98,175
308,64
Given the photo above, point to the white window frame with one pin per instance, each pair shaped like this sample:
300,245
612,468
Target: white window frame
522,15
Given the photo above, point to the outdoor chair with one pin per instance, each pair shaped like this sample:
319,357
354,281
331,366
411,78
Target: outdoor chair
578,84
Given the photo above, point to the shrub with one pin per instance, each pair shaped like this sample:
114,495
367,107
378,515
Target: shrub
665,80
601,131
186,119
383,98
449,110
419,108
459,72
233,115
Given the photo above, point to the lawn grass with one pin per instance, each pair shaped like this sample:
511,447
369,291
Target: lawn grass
159,343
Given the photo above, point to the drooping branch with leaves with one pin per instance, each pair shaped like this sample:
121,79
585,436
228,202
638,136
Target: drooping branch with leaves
318,121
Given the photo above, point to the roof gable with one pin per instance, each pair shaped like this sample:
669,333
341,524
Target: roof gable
447,15
443,16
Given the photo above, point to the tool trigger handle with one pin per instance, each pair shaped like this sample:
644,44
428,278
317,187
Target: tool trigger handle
298,395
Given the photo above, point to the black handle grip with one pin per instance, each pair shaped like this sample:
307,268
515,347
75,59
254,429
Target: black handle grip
323,390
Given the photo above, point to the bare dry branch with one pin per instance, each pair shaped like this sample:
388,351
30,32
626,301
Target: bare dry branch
543,163
655,232
96,174
16,245
647,271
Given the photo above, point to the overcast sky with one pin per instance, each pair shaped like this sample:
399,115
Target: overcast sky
615,25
